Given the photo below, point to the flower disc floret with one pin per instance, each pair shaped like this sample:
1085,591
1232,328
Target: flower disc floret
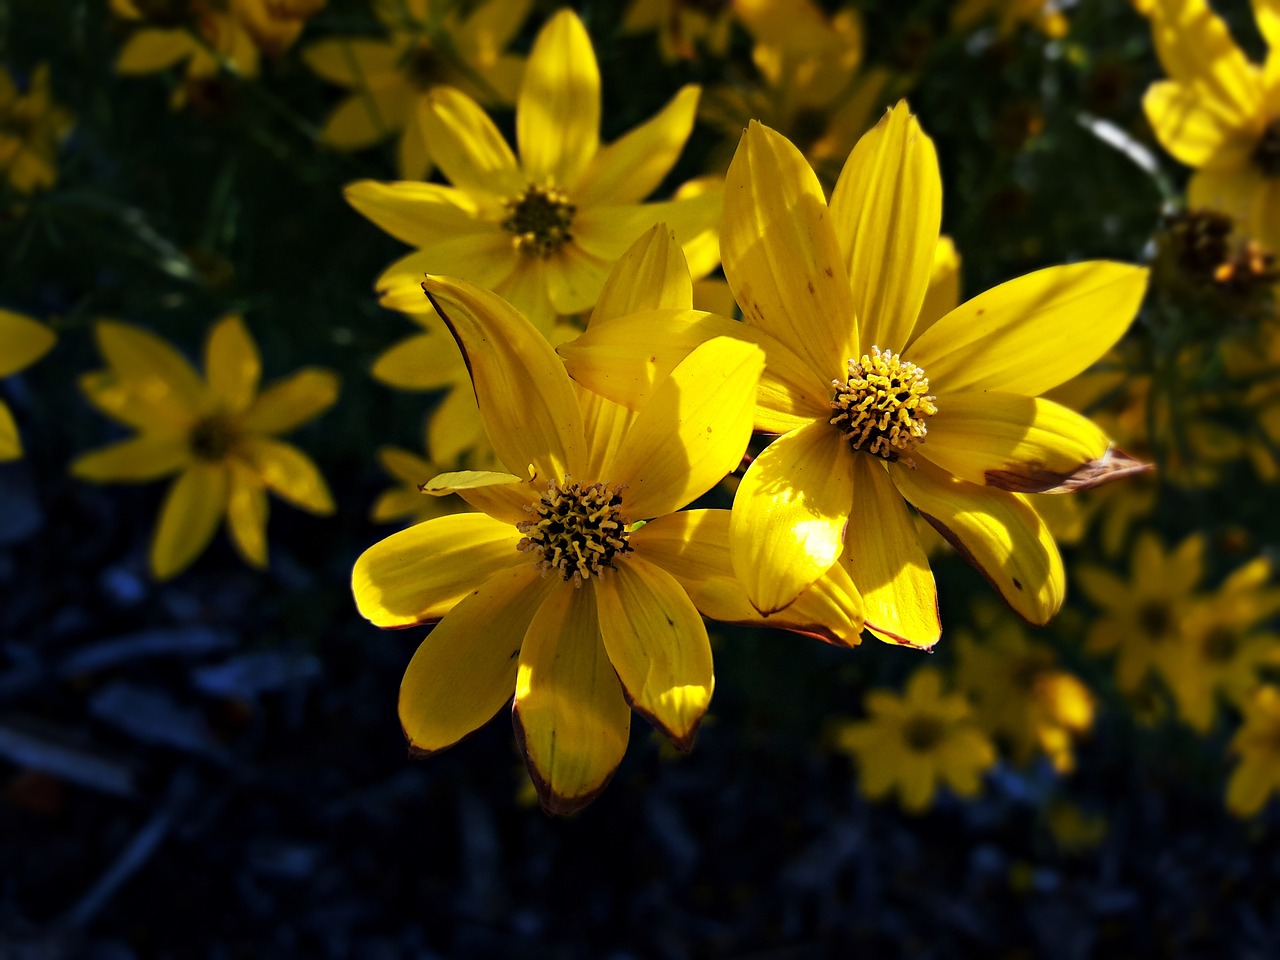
578,530
540,218
1267,155
213,437
923,732
883,405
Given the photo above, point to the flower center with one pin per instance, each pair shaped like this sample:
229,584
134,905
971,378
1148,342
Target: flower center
922,733
540,218
424,67
1220,644
577,531
1155,619
883,404
213,437
1267,156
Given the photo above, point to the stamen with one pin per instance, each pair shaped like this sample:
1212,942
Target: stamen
540,218
883,405
577,530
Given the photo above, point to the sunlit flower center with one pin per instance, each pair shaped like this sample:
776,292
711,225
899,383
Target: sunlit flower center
923,732
883,405
577,530
1267,156
213,437
1155,620
424,67
540,218
1221,644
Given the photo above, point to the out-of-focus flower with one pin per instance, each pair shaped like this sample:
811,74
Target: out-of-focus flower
1143,620
218,433
1021,695
406,501
833,293
1219,113
23,341
430,43
1200,252
1044,15
32,127
1257,743
684,26
917,742
543,231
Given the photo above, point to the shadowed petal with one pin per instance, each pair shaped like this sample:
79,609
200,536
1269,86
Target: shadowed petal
24,340
288,473
144,457
467,146
247,515
190,515
232,364
293,400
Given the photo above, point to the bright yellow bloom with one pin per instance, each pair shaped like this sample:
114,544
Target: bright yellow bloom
22,343
1219,113
917,742
218,433
861,369
1257,743
543,231
31,128
406,501
1045,15
1142,620
1021,695
430,44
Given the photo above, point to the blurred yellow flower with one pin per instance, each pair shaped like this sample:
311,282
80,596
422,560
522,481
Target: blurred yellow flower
406,501
430,43
1257,743
542,232
917,742
32,127
1045,15
1219,113
23,341
684,26
218,433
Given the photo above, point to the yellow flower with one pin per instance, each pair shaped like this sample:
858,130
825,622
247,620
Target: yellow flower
553,590
218,433
1142,620
430,44
685,25
916,742
1219,113
1257,743
543,231
406,501
1020,694
22,343
860,370
1045,15
31,128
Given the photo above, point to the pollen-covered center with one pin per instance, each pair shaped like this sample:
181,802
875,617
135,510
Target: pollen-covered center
540,218
1267,156
576,530
883,405
213,437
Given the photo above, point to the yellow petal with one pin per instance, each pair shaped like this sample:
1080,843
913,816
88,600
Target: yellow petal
138,459
607,231
10,442
420,573
575,278
1250,786
425,361
232,364
1187,125
1245,195
658,645
652,275
943,294
1267,13
148,51
465,670
456,429
692,432
1028,335
570,717
606,425
1196,49
192,510
247,515
143,404
998,533
884,558
417,213
288,473
887,212
367,118
467,146
789,515
526,399
23,341
150,365
413,162
500,495
293,400
482,255
781,256
558,111
353,63
631,167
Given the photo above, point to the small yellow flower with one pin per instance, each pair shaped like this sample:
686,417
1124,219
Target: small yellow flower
684,26
1219,113
1045,15
1257,743
406,501
32,127
543,231
430,44
22,343
917,742
218,433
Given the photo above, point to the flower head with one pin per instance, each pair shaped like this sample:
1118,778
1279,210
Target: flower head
218,433
22,343
32,127
1257,743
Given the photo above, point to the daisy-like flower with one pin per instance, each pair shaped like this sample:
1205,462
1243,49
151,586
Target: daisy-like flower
31,128
1257,743
430,43
542,231
1045,15
1218,112
217,433
22,343
860,373
917,742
